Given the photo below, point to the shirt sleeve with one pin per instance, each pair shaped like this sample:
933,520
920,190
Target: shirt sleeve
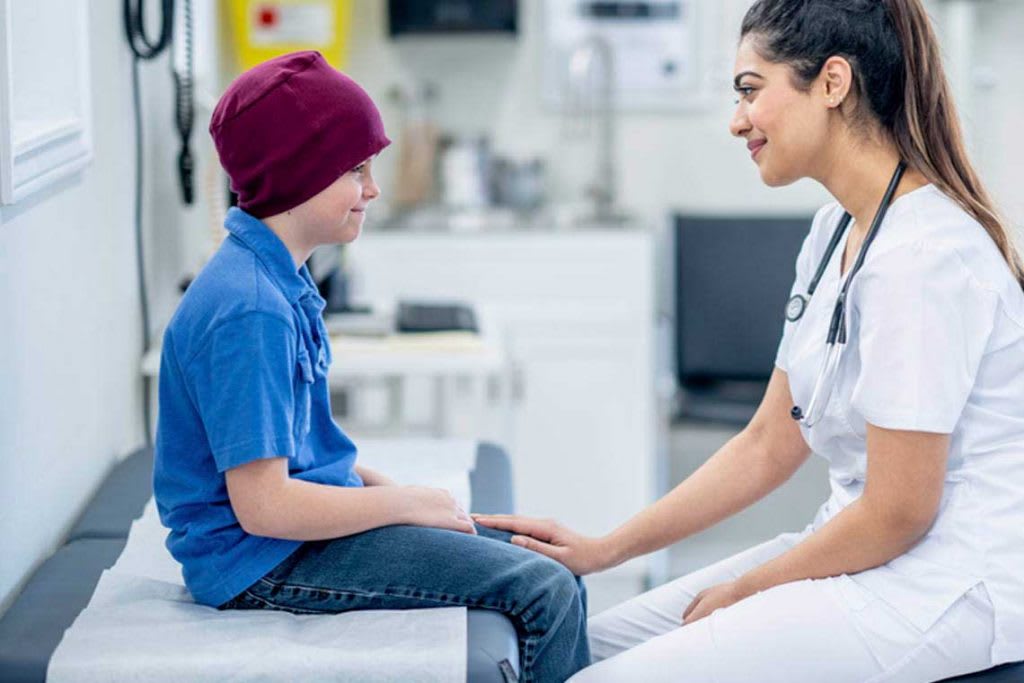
243,383
804,271
924,325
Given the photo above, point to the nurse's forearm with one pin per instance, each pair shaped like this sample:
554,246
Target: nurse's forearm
742,472
856,539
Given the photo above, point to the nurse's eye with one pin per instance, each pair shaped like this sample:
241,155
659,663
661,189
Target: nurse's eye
744,92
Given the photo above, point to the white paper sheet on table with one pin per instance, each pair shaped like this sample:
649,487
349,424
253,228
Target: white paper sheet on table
142,624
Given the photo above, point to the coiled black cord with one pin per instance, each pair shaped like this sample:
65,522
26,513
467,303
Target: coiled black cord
142,48
184,88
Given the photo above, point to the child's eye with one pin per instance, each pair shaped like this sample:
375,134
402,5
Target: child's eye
359,169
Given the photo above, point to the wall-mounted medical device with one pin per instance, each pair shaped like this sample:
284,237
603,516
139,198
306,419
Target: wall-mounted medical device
661,50
264,29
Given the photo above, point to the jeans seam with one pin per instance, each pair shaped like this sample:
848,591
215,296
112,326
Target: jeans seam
405,592
268,604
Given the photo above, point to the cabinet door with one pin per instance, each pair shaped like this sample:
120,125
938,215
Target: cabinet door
577,314
583,427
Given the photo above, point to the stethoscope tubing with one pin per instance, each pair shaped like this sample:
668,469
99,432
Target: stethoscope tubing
836,337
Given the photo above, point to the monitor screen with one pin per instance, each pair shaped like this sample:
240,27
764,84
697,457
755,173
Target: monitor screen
733,276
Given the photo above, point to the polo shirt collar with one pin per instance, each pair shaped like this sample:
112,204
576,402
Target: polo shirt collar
293,282
314,353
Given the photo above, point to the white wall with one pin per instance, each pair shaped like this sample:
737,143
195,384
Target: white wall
69,327
993,121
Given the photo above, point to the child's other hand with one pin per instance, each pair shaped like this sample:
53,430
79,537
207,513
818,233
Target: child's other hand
373,477
424,506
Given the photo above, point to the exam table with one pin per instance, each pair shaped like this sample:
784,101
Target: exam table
63,585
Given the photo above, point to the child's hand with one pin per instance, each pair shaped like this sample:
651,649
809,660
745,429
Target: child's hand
424,506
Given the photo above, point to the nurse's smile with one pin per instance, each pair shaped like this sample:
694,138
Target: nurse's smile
755,146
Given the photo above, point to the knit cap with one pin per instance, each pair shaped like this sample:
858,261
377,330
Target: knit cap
291,126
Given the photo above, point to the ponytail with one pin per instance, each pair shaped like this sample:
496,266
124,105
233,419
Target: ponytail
927,129
898,72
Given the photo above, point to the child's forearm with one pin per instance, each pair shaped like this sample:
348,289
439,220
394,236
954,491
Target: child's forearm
373,477
306,511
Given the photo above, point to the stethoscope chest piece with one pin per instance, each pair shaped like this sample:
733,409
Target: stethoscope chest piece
795,307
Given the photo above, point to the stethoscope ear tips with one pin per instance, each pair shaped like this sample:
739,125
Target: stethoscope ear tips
796,413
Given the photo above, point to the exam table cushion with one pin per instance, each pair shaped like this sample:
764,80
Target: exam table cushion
63,585
119,499
491,481
56,593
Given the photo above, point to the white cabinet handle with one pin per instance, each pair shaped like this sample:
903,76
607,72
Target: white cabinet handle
517,382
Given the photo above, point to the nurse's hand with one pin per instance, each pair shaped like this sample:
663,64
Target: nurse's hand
710,599
580,554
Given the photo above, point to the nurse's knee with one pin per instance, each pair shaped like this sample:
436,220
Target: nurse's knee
608,671
605,642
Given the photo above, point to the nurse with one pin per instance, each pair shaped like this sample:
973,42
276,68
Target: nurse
913,569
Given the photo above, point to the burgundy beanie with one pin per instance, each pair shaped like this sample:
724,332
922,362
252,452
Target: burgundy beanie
291,126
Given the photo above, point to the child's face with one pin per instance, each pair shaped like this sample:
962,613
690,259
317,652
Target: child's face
335,215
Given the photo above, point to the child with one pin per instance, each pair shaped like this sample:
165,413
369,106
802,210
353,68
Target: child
266,506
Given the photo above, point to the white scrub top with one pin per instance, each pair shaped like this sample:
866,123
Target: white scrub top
935,344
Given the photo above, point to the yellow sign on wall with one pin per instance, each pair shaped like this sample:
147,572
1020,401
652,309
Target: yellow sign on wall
263,29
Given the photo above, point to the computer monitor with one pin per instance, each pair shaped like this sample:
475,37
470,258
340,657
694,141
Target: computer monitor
733,276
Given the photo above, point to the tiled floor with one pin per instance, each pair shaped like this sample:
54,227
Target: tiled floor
789,508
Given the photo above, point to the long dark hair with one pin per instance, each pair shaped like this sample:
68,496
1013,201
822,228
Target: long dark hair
897,74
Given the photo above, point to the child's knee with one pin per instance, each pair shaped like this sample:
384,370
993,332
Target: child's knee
553,584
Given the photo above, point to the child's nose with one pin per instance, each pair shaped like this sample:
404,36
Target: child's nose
370,188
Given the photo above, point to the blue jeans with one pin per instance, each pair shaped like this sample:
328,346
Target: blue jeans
407,567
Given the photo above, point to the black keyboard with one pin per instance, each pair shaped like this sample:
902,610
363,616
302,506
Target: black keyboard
435,318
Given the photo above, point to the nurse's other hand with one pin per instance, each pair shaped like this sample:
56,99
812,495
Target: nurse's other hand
710,599
580,554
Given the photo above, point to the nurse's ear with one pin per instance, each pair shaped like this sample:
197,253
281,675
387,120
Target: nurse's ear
834,82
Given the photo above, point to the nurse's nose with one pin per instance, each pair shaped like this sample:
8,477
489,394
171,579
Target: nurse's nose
740,125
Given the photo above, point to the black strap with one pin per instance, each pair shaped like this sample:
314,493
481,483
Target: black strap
833,243
837,329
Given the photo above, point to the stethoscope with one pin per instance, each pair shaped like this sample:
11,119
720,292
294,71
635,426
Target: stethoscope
836,339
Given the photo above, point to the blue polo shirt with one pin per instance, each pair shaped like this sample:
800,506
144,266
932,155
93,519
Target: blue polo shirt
242,377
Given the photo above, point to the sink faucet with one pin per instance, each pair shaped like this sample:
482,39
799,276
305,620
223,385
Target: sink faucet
591,93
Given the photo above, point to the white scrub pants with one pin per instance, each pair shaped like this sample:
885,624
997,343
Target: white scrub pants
813,630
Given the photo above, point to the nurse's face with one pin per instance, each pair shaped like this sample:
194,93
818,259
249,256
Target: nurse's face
336,214
785,128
